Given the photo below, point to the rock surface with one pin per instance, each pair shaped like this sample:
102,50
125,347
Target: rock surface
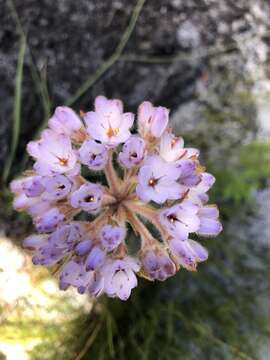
70,40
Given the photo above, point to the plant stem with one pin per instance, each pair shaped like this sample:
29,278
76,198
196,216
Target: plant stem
139,228
150,214
113,180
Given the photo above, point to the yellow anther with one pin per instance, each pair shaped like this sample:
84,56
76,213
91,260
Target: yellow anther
63,162
112,132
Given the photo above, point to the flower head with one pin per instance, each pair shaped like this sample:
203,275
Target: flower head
150,179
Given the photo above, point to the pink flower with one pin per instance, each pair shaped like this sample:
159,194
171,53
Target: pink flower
53,152
152,120
108,124
158,181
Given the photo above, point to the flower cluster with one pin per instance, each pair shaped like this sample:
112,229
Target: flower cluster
151,178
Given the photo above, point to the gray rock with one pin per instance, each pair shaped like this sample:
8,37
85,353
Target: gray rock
70,40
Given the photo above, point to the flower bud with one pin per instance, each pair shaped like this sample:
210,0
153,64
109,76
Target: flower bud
95,259
152,120
112,236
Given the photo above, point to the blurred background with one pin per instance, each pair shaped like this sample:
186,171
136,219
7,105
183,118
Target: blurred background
206,60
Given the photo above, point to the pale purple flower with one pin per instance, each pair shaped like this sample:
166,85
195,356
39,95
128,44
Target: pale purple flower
48,255
36,241
56,187
209,223
188,253
31,186
181,219
65,121
49,220
189,176
49,249
95,259
67,235
152,120
23,202
119,277
112,236
38,207
133,152
53,153
198,194
158,181
83,247
108,124
96,284
172,149
88,197
157,265
74,273
93,155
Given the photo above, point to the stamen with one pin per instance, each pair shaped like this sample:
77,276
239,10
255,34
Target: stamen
82,114
89,198
172,218
112,132
152,182
63,162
